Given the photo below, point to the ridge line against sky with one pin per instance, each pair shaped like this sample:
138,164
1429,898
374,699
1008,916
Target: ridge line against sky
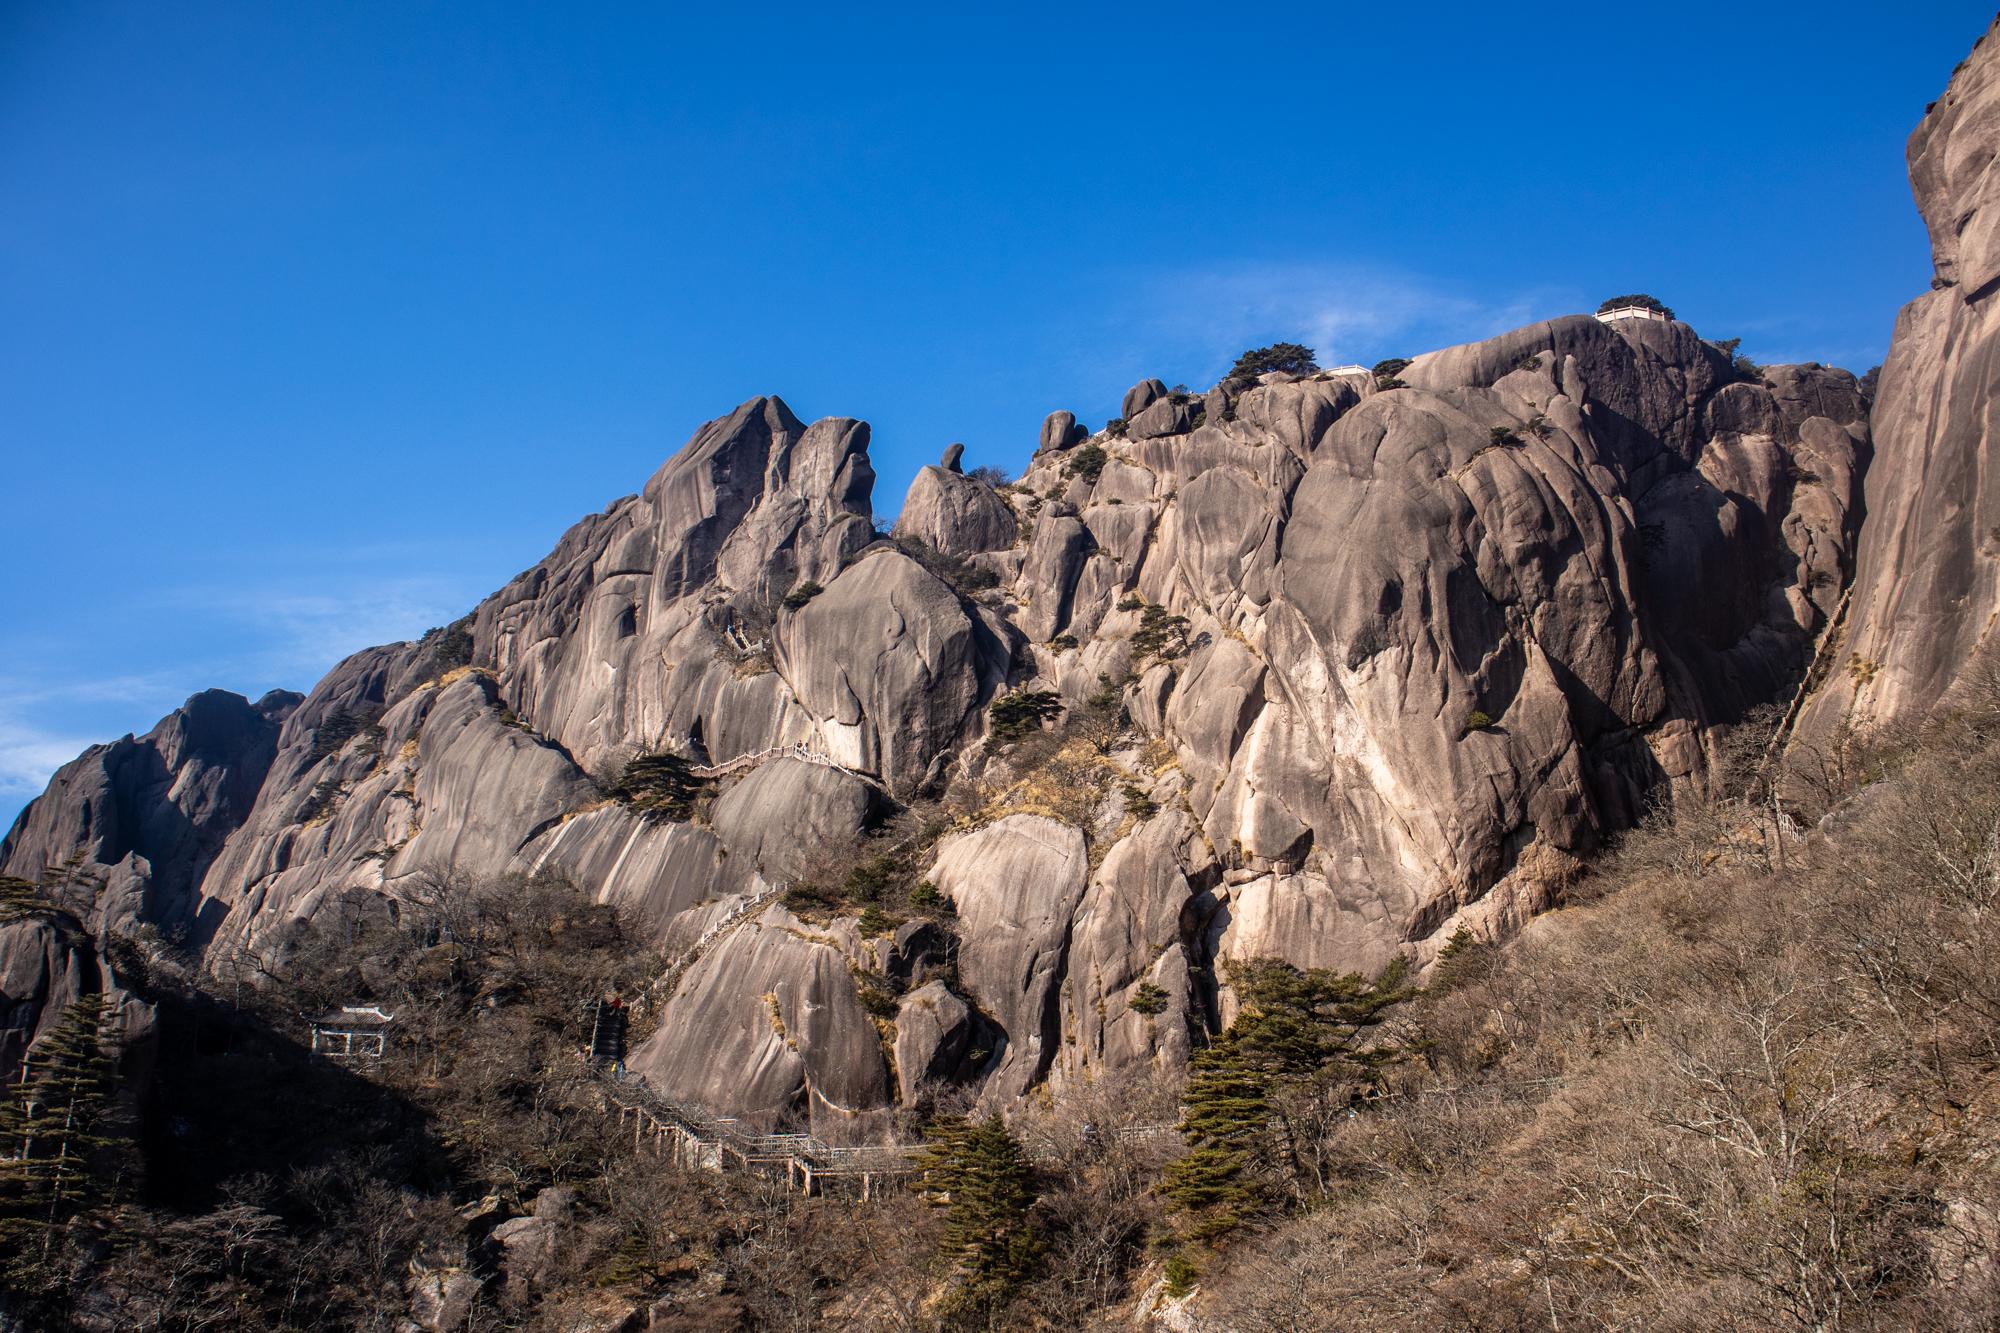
318,325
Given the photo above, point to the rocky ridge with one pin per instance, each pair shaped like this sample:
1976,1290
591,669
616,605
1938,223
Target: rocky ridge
1368,662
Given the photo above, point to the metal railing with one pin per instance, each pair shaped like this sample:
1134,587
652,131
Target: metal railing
696,1137
798,751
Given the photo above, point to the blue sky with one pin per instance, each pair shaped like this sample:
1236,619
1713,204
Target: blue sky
318,322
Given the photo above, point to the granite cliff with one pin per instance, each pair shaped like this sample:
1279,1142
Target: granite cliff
1387,657
1919,624
1328,666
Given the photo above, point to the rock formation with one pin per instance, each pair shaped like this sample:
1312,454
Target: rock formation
149,813
1341,669
1926,594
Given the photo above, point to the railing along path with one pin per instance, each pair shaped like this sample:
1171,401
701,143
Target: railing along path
696,1138
721,926
803,753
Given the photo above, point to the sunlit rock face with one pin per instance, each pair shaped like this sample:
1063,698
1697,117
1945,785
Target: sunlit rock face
1920,623
1392,659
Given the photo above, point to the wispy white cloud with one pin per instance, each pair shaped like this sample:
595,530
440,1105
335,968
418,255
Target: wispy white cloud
265,631
29,757
1203,318
23,693
284,631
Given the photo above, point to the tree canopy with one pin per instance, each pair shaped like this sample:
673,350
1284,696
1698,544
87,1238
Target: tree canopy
978,1173
1290,358
1297,1045
56,1160
1639,299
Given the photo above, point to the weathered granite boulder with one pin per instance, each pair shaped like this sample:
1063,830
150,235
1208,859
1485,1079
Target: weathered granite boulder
528,1244
1060,430
766,1026
890,666
646,626
918,948
652,870
1016,884
443,1299
1142,396
1127,934
1165,416
935,1031
778,819
956,514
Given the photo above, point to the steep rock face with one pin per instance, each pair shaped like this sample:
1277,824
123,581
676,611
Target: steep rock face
782,814
890,665
767,1025
45,962
1926,593
150,813
1392,662
1016,884
1434,642
659,624
642,631
443,783
1127,946
652,870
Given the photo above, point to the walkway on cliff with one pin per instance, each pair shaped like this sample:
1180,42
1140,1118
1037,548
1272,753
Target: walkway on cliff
800,752
696,1138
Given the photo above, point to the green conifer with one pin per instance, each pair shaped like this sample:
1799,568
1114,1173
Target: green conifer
980,1175
54,1143
1292,1029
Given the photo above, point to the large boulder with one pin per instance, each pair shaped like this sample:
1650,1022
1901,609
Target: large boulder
652,870
1142,396
783,815
766,1026
1172,415
1060,431
934,1035
956,514
889,666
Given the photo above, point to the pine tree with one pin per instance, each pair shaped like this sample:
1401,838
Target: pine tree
1291,358
53,1139
19,900
1226,1112
662,782
72,886
1294,1030
979,1174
